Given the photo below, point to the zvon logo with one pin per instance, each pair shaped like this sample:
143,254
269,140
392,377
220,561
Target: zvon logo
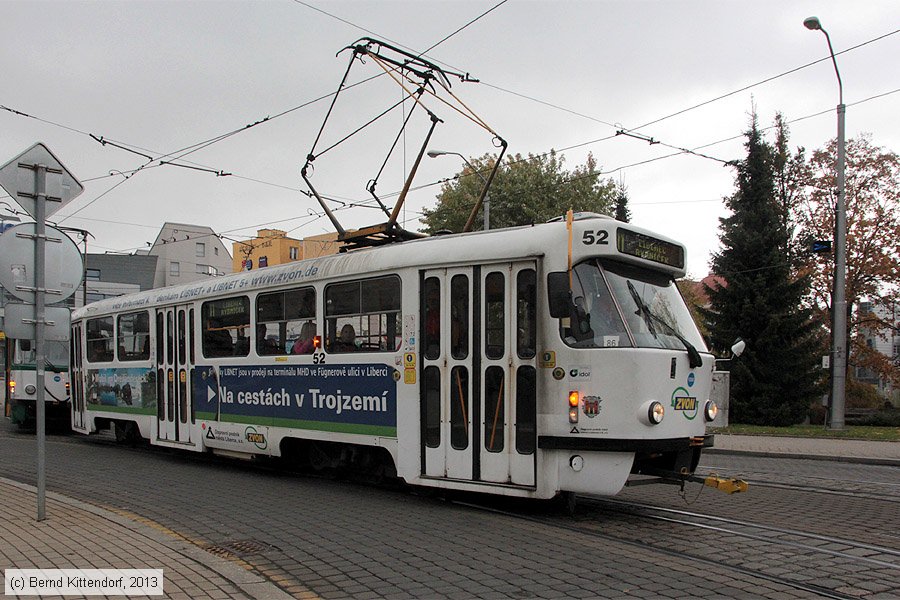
255,438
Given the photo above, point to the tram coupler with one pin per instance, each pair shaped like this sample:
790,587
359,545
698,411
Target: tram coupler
729,485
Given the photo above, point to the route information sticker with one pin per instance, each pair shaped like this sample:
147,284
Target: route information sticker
86,582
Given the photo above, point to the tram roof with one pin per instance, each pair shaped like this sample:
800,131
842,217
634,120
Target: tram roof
496,245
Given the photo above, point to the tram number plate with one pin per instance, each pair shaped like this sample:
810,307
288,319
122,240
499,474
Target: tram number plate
685,403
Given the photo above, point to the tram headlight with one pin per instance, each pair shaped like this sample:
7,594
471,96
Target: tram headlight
30,389
651,412
711,410
656,413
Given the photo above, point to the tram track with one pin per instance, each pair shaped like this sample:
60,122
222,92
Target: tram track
856,564
751,530
849,488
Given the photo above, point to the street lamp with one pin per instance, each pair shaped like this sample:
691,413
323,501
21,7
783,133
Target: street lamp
839,302
487,197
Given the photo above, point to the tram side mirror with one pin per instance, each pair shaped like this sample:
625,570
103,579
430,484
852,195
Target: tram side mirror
737,348
562,306
558,295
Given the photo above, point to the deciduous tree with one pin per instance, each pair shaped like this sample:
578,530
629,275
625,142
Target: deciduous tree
524,191
872,193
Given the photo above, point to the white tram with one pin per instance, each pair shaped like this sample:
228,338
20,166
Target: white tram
20,374
527,361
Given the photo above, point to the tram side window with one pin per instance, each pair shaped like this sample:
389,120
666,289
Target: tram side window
286,322
494,416
134,336
459,317
363,315
226,325
526,313
431,405
432,318
100,339
494,309
526,405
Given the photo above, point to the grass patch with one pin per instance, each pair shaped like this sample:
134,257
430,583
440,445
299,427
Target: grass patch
879,434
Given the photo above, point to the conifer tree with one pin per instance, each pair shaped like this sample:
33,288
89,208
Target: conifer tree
776,379
623,213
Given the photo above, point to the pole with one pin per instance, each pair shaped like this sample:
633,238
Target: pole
839,299
40,203
839,335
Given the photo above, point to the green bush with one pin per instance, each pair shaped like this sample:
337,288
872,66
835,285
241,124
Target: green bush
882,418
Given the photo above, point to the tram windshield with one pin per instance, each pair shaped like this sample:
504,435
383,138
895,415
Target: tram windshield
655,315
56,353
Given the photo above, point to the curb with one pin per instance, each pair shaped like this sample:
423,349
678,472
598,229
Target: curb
254,586
862,460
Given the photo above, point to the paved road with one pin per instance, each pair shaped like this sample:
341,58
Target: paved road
333,539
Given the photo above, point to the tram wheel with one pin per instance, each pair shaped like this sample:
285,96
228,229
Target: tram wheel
126,432
568,501
319,459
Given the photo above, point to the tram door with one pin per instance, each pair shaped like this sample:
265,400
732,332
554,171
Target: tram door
174,359
447,359
507,373
478,373
77,381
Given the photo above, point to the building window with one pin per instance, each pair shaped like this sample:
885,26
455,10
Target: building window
201,249
92,274
294,253
215,251
174,269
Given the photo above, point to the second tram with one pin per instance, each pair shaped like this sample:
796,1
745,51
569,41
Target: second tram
21,382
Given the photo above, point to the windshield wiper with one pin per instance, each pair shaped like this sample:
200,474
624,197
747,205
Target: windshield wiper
694,358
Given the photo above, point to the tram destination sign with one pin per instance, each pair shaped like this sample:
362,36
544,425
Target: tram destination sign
649,248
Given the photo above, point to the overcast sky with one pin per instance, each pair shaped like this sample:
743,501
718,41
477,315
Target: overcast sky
163,76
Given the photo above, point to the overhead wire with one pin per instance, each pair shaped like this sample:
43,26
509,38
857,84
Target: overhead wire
200,145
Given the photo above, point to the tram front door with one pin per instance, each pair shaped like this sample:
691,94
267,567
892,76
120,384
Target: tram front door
478,393
76,382
175,362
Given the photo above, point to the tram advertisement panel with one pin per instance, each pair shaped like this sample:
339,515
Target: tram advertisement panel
131,390
352,398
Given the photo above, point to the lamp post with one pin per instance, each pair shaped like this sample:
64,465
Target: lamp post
487,197
839,300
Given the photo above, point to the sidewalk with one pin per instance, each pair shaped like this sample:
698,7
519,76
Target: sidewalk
861,451
78,535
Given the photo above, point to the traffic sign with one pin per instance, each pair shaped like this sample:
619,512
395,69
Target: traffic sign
17,177
20,321
63,267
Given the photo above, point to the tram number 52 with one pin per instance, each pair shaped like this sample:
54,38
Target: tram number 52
599,238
